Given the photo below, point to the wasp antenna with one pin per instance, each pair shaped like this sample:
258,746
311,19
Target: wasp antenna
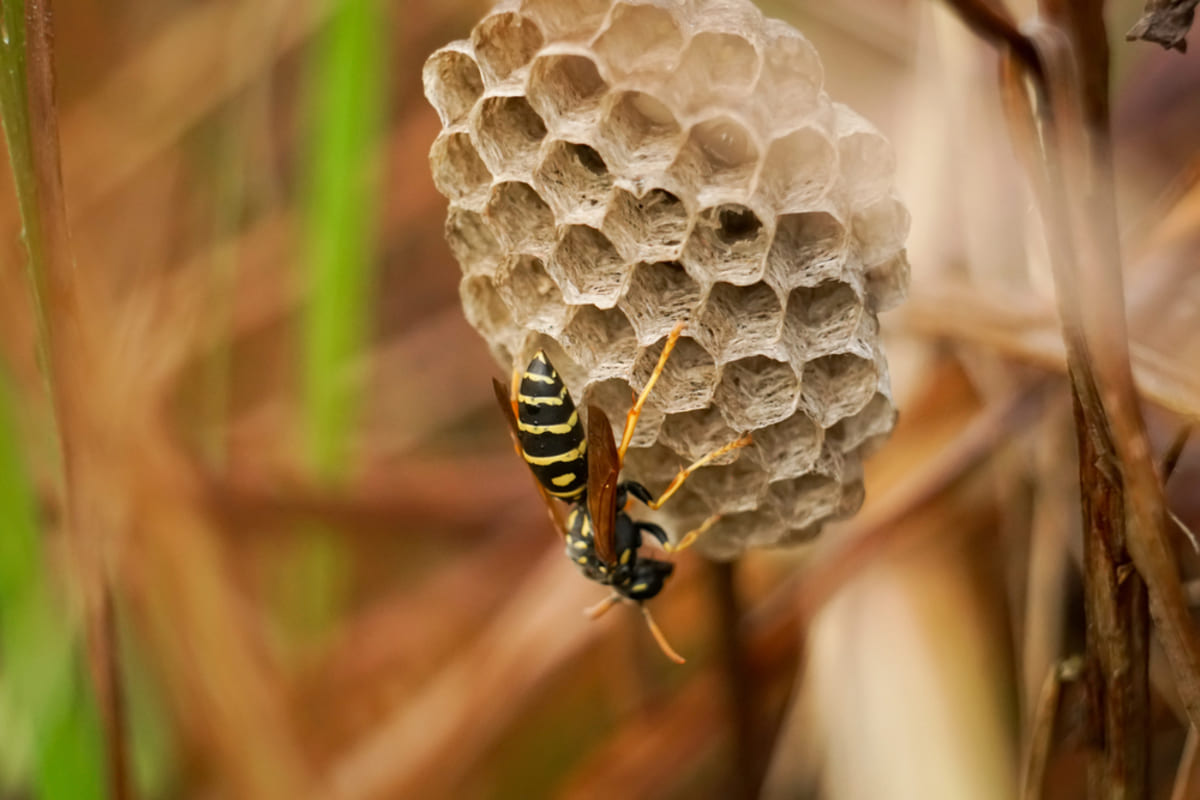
598,610
663,644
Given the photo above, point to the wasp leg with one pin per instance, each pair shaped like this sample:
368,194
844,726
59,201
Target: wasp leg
598,610
632,417
690,537
663,644
695,465
656,531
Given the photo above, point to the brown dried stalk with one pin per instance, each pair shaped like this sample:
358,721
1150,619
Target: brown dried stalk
58,293
1045,727
1061,129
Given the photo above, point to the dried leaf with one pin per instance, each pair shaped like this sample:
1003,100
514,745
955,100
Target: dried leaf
1165,22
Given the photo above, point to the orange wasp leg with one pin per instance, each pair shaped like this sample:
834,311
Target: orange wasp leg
597,611
636,411
663,644
689,538
695,465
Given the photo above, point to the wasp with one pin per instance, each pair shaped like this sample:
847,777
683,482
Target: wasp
582,467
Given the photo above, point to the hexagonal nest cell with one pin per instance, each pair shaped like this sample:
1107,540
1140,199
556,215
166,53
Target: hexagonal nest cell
739,321
808,248
615,167
651,227
574,179
532,295
566,89
717,160
714,65
589,269
727,243
639,134
520,217
452,77
509,133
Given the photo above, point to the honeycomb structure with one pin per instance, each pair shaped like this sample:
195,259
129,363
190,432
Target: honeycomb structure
616,167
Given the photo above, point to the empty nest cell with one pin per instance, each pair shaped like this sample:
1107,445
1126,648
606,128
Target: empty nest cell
729,489
520,217
695,434
836,386
651,227
789,448
806,500
587,267
714,68
822,319
854,494
865,430
640,135
566,19
756,391
717,159
659,295
880,229
867,162
639,38
452,84
798,170
531,294
472,242
687,381
458,171
601,341
739,321
808,248
887,283
727,243
504,43
566,89
574,179
485,309
791,75
509,135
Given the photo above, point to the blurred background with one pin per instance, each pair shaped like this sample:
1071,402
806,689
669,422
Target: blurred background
301,558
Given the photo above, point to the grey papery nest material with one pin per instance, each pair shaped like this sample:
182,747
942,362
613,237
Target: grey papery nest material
613,168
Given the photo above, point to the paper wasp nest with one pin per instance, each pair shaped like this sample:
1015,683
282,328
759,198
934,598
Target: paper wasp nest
615,167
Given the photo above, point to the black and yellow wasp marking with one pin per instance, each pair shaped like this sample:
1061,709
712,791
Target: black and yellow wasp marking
582,466
548,428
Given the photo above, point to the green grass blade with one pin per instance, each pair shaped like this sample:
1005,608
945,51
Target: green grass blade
52,735
340,208
52,732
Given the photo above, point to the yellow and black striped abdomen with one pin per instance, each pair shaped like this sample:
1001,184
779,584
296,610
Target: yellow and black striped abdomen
551,434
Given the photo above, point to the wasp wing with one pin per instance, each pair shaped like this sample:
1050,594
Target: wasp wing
604,468
508,407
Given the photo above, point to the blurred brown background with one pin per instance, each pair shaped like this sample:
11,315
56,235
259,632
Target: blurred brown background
412,630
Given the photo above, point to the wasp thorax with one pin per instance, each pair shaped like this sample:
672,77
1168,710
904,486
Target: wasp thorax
616,167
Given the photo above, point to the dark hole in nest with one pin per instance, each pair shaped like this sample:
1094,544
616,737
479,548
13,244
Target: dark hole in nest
590,159
737,225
